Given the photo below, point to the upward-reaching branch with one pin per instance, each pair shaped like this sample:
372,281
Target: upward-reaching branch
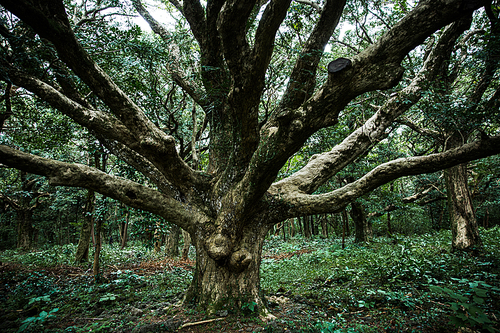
173,65
323,166
303,77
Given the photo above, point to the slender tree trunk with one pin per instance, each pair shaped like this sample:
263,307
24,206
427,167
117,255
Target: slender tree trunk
98,227
82,251
187,244
345,226
292,227
324,226
124,231
157,236
172,246
307,230
389,226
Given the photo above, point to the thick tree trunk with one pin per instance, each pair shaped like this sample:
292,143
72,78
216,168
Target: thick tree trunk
24,229
363,230
82,251
464,227
234,280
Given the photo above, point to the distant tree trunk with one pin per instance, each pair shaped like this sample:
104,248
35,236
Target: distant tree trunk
82,251
363,232
345,226
389,227
24,229
172,244
464,229
292,227
157,236
187,244
307,230
324,226
314,226
98,228
124,231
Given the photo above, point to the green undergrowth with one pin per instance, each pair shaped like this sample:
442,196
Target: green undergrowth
312,285
65,255
415,281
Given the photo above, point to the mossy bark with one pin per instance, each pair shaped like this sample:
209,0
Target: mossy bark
363,230
232,281
464,229
172,242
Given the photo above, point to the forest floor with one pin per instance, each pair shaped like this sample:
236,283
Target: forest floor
390,285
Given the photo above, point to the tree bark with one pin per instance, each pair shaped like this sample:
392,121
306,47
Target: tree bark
187,244
97,252
25,229
157,237
234,280
82,251
362,226
464,226
324,226
124,231
172,243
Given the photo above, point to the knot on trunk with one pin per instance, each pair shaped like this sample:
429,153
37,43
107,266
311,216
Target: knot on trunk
218,247
240,260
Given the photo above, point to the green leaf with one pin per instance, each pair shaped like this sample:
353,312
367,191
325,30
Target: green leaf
481,292
478,300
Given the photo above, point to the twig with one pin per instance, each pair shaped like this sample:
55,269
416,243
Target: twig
200,322
440,303
89,318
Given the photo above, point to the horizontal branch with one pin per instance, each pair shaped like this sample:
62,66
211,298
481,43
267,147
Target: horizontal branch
78,175
306,204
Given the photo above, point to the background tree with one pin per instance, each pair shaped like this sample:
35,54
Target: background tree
230,205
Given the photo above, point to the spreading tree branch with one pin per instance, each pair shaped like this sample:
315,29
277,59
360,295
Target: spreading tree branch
49,20
323,166
126,191
173,66
307,204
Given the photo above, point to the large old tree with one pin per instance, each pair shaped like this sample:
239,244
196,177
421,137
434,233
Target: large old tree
228,207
